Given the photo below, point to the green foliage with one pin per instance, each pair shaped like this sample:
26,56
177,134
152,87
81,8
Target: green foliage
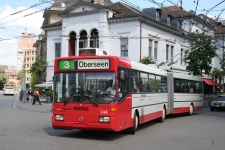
34,80
49,93
3,77
200,57
222,61
20,75
147,60
217,74
38,67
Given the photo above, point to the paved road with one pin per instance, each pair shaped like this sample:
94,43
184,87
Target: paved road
27,127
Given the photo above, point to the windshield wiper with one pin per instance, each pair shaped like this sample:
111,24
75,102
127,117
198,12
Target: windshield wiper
65,100
89,96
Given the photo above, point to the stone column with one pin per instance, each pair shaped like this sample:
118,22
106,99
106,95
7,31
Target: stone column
77,46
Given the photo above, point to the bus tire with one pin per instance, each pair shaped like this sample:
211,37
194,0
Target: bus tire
191,111
133,129
212,108
163,117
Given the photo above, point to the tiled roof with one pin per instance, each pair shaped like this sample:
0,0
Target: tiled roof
220,29
176,12
123,11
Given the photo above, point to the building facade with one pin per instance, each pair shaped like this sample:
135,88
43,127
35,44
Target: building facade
26,55
121,30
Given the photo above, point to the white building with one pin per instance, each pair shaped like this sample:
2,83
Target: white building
119,30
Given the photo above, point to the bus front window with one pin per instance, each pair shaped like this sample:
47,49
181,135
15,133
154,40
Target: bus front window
83,87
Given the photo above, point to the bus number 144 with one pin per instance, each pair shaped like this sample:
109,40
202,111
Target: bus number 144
103,112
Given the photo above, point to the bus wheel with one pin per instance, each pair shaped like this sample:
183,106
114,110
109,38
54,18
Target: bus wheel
191,111
162,118
133,129
212,108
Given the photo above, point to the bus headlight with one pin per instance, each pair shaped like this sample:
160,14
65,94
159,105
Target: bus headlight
104,119
59,117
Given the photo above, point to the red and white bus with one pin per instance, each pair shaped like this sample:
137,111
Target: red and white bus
143,93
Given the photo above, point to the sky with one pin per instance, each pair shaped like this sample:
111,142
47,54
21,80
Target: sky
17,16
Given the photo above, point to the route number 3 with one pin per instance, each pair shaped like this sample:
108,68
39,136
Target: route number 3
66,64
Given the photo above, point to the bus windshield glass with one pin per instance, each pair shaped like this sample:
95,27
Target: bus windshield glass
83,87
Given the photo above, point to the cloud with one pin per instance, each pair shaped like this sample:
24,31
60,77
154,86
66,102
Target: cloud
12,23
8,54
19,21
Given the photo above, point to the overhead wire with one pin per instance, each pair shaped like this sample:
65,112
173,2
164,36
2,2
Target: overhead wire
26,9
70,1
55,4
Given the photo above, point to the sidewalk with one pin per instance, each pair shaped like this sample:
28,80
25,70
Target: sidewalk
44,108
206,102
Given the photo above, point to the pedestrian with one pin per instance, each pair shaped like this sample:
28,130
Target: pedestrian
29,95
36,97
21,94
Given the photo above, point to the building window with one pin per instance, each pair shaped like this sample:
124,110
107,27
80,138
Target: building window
57,49
185,55
169,20
181,56
124,47
97,43
155,49
81,44
92,43
150,49
167,52
179,24
158,15
171,53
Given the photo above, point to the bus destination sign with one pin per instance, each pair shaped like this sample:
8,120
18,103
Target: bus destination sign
84,64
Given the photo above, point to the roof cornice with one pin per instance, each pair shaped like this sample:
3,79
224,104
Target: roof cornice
83,13
52,28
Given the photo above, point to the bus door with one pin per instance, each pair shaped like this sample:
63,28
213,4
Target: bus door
170,82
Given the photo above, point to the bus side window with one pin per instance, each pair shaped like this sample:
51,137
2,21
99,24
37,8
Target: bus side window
123,79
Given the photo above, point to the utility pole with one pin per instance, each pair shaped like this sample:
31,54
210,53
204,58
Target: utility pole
223,62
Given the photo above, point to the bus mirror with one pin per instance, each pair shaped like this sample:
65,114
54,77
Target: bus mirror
122,74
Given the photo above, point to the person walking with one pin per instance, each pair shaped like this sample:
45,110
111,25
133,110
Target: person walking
29,95
36,97
21,94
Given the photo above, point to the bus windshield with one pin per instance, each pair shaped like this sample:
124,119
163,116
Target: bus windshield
83,87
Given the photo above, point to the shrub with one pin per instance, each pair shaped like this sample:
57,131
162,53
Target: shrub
49,93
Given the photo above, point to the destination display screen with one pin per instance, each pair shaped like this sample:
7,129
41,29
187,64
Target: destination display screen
84,64
9,86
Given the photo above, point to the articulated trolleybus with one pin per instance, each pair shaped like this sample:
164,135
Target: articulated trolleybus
141,93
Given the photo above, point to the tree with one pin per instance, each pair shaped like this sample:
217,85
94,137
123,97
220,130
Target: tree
147,60
200,57
20,75
217,74
3,77
39,68
34,80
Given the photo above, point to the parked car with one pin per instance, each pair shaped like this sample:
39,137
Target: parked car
218,103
